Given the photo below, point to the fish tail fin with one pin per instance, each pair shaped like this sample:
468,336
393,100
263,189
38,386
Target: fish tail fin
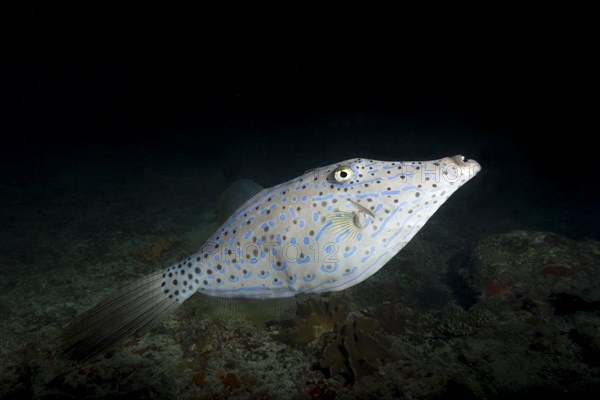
131,311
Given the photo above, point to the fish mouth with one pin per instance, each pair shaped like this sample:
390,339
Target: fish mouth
465,163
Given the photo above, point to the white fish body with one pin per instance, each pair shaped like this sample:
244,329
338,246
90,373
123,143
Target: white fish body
326,230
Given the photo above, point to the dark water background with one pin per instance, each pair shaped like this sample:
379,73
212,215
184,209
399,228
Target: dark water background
118,126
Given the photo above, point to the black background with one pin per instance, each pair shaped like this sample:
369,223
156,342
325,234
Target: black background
80,76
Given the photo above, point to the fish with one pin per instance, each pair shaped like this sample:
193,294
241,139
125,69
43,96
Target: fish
326,230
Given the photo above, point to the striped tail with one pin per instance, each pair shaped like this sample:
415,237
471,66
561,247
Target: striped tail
132,311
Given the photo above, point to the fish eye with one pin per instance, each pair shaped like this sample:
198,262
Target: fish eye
343,174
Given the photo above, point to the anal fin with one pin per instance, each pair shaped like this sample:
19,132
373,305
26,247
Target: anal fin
257,310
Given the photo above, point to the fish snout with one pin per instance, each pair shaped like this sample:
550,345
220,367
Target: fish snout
468,168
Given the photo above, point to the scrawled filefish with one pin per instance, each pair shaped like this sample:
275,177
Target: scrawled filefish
326,230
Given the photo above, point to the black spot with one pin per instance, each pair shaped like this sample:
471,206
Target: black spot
176,292
170,274
205,282
209,271
162,284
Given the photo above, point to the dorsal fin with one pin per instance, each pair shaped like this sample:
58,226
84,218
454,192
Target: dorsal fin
235,196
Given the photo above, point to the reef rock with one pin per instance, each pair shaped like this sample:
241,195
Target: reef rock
359,349
533,264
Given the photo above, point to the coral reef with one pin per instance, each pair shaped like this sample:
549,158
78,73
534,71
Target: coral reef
207,390
534,264
155,249
314,317
358,349
456,321
530,325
